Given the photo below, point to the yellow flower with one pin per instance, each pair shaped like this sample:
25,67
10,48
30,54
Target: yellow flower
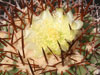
47,29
